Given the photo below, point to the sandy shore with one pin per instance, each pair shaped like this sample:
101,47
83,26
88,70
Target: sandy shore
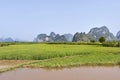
3,67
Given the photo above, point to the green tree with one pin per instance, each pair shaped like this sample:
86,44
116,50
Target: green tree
102,39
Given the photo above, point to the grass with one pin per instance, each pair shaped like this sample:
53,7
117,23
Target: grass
42,51
61,55
77,61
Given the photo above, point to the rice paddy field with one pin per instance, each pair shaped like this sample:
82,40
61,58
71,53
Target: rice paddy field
59,55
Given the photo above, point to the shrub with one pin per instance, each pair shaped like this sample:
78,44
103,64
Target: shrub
102,39
118,45
111,44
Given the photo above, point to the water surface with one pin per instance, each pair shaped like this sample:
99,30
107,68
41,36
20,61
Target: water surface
81,73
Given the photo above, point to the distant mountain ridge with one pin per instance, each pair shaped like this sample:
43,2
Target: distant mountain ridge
96,33
93,34
9,39
69,37
80,37
53,37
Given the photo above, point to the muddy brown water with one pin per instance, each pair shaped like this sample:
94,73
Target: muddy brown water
81,73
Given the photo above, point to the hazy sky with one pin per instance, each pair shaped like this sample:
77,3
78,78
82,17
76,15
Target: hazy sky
25,19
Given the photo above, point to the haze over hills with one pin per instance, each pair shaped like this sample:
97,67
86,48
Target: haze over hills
6,39
53,37
9,39
93,34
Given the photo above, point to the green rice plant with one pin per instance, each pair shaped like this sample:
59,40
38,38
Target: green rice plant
48,51
61,55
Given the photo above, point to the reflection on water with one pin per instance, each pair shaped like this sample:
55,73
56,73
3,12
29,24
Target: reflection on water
81,73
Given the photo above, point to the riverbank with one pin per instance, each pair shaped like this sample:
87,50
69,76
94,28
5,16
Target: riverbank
6,65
